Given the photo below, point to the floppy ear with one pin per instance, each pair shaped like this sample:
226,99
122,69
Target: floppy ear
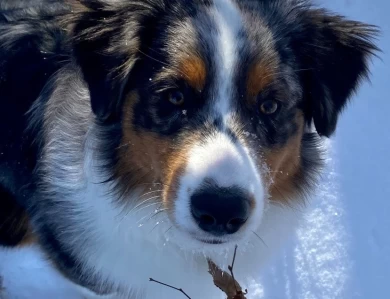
334,53
107,38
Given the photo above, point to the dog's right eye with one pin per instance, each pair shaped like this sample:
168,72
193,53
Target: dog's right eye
176,97
269,107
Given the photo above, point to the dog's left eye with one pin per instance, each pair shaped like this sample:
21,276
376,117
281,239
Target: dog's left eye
269,107
176,97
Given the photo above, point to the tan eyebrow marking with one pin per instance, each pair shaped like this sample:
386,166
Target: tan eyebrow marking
194,71
260,75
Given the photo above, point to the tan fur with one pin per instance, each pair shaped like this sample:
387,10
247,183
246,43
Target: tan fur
194,71
284,164
260,75
29,238
150,158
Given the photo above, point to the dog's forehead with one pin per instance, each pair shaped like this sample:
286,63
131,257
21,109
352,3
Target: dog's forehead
228,26
228,45
226,35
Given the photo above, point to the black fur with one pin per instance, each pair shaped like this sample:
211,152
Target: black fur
31,50
333,54
14,222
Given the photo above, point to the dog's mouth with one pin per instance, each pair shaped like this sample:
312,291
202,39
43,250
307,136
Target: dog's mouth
211,241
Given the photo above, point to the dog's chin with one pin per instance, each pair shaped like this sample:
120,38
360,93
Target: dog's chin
203,243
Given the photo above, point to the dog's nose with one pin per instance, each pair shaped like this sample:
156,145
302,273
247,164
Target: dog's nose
220,211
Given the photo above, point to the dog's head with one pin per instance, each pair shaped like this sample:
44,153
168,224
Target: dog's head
216,101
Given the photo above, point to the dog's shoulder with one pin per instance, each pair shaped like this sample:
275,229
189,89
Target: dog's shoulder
32,49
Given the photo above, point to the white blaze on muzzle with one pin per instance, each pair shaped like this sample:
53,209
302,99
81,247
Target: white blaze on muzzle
226,164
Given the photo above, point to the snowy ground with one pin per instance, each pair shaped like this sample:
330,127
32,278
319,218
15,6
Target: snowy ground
343,252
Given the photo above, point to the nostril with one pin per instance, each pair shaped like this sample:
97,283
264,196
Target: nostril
203,217
234,225
207,219
237,221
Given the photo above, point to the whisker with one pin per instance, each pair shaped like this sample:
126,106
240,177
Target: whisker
157,223
147,206
153,184
162,62
157,213
280,193
168,230
150,192
286,73
143,202
286,203
262,241
150,214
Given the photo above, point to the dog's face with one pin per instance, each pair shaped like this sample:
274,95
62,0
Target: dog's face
215,100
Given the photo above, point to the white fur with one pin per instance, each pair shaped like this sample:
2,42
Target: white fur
40,279
227,164
229,22
128,247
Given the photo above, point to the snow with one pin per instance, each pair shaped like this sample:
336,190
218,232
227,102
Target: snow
343,249
26,275
316,263
343,252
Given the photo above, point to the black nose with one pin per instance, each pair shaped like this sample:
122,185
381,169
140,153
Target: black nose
220,211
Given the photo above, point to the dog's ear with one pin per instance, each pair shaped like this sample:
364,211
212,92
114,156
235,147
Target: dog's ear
334,55
107,40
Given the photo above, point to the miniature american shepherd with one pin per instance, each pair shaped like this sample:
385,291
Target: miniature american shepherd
142,138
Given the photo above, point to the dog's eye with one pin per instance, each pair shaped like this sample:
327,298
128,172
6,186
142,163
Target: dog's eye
176,97
269,107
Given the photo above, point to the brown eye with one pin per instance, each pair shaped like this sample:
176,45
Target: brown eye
269,107
176,97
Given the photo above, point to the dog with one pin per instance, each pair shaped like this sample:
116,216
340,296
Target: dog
143,138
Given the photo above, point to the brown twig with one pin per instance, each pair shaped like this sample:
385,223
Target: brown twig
225,281
232,266
169,286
